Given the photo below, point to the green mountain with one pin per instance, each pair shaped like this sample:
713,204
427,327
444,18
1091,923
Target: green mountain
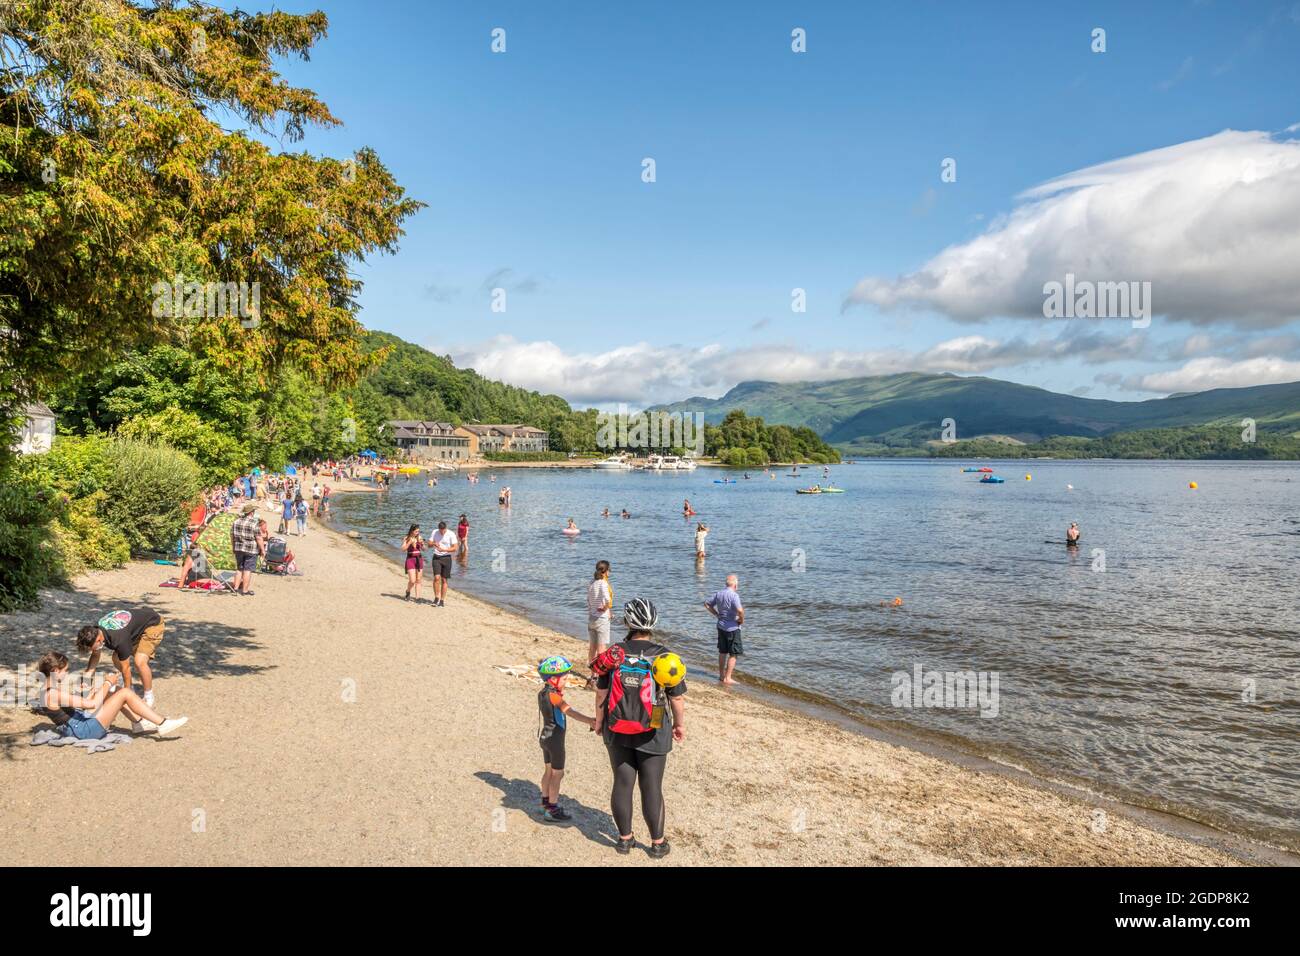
908,410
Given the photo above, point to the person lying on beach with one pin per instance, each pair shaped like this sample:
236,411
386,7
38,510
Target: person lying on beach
89,717
132,636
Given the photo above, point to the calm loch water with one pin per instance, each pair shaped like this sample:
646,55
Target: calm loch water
1159,662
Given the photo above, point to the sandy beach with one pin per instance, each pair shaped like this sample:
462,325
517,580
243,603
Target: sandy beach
333,723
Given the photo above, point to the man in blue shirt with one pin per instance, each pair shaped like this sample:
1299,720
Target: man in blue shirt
726,607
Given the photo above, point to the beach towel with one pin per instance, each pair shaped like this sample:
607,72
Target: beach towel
53,738
215,540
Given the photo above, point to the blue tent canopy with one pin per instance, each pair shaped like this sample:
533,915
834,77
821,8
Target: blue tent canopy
369,454
290,470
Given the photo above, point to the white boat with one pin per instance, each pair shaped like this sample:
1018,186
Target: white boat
612,463
685,464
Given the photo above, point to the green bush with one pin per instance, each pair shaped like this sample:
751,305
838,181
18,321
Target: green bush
149,493
77,467
525,456
220,457
85,542
29,555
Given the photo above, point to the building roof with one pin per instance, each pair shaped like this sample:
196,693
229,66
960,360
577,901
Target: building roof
38,410
509,431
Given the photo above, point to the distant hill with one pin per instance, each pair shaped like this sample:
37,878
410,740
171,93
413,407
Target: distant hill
907,410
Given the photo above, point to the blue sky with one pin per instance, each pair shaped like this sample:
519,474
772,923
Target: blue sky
815,170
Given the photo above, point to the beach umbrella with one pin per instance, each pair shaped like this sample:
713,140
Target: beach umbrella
215,542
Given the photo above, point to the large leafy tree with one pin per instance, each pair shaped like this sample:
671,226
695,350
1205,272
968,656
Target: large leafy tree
118,173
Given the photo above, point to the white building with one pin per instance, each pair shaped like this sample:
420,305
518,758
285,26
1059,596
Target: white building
38,430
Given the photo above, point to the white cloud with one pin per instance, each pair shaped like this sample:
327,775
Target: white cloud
1206,373
645,374
1213,224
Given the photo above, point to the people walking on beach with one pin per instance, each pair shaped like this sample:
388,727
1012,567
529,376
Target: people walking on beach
726,607
300,514
444,546
638,718
413,544
286,514
600,599
247,543
1072,533
701,532
89,717
462,535
555,712
132,636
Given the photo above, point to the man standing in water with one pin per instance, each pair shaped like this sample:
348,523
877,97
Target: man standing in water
726,607
1072,534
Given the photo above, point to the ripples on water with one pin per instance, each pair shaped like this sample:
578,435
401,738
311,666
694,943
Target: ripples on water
1131,680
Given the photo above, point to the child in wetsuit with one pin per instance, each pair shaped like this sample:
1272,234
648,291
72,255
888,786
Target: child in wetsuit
555,711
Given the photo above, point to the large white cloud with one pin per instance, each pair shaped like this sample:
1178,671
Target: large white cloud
1206,373
1213,224
643,374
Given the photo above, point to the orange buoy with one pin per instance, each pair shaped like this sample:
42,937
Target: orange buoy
1192,485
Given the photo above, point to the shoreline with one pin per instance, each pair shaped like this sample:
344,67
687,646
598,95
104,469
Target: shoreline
439,765
948,749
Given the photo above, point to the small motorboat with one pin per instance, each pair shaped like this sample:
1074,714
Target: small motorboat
992,480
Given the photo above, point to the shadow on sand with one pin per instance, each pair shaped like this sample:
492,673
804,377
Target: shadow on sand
192,646
524,795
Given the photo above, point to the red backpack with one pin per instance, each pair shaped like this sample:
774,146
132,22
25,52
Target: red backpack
631,701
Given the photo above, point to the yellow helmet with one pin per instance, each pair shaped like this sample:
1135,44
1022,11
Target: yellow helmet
668,670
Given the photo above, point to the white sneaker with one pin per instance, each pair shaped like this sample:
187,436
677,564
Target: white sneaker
143,727
148,698
173,724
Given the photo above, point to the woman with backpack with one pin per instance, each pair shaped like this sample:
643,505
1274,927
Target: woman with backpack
639,717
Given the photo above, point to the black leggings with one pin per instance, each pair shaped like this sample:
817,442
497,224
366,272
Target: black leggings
630,767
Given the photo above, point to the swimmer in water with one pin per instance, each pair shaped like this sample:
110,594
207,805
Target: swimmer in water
1072,535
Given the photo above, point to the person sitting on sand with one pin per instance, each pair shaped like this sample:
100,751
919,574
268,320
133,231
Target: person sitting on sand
88,718
1072,534
555,712
132,636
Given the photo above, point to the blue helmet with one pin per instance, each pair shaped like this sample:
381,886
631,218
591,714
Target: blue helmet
554,666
